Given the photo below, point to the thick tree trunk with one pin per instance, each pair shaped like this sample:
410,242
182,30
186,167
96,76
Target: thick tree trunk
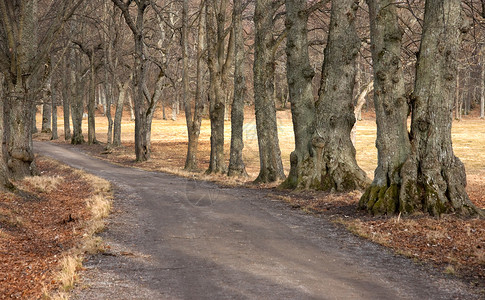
4,182
393,147
18,134
271,166
332,165
299,76
433,178
66,88
236,163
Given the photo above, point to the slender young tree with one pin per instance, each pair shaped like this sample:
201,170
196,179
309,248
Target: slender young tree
236,163
271,166
65,91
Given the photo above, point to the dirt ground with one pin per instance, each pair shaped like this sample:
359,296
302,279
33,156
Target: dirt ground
175,238
454,245
39,223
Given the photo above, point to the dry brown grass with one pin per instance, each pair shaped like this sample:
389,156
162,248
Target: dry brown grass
99,205
41,184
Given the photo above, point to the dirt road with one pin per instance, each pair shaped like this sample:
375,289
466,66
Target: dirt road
176,238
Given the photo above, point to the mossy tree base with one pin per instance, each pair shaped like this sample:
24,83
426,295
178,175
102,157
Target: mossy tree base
434,191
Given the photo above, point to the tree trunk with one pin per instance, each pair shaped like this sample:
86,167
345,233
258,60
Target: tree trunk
219,62
433,178
77,106
236,163
54,135
482,83
194,122
92,102
46,110
142,149
18,134
299,75
332,165
66,88
271,166
358,108
119,112
458,103
4,182
47,102
382,196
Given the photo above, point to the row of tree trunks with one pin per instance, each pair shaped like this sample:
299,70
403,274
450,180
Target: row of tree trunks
271,166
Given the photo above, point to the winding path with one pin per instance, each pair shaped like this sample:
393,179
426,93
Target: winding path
176,238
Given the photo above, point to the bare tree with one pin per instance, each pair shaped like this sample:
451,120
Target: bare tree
236,163
433,178
219,63
265,45
391,108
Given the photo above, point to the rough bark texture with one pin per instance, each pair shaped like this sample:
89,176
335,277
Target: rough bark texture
236,163
330,164
92,101
142,149
433,178
46,110
54,135
4,182
218,61
77,106
193,122
20,26
66,88
20,157
299,76
122,89
393,147
271,166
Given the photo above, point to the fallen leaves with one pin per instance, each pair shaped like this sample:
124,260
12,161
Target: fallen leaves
34,233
